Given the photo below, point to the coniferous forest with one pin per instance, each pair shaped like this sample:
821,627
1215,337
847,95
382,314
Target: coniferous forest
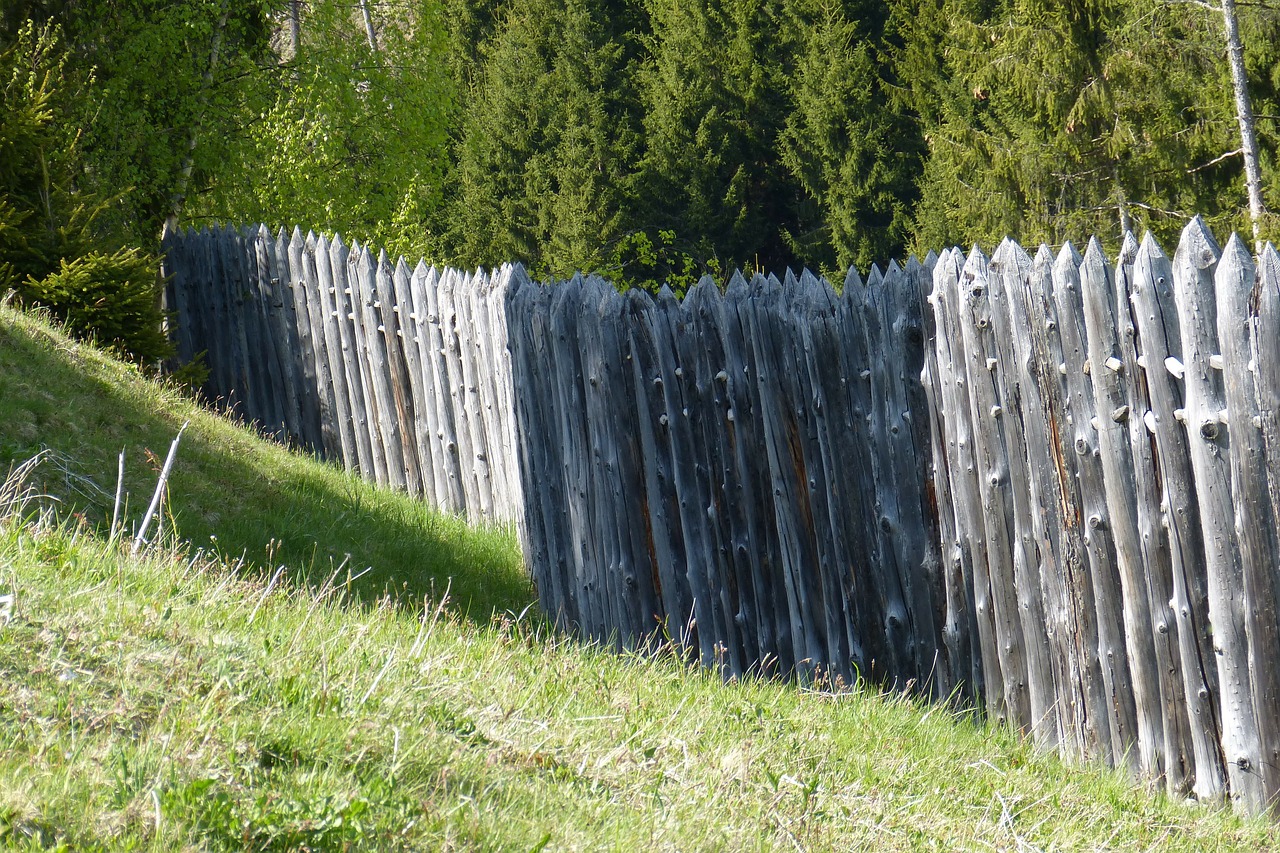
651,140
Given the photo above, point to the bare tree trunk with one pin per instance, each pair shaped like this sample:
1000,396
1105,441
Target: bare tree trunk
1244,113
368,26
295,27
179,196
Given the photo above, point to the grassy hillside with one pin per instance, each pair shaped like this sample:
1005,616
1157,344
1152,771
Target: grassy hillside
171,701
231,494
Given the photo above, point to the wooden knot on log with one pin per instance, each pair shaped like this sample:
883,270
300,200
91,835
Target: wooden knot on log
1096,522
1120,415
1082,446
1209,429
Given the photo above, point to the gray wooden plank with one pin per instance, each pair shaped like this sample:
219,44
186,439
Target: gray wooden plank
985,412
332,262
310,316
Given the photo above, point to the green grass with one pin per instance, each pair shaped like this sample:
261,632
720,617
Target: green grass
168,701
230,493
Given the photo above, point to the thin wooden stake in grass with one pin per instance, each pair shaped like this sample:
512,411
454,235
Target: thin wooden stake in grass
115,512
141,538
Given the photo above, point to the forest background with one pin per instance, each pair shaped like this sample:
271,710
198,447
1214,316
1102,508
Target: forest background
650,140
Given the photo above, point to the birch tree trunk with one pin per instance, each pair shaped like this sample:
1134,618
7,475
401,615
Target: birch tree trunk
1244,114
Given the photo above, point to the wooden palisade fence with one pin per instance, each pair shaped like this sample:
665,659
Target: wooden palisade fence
401,375
1048,485
745,473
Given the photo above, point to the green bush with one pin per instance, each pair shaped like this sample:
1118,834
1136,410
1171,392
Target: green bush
114,298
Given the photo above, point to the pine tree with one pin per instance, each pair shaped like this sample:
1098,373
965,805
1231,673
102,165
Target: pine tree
715,101
547,141
848,144
1050,121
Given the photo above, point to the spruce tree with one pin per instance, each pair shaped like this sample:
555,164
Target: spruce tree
546,141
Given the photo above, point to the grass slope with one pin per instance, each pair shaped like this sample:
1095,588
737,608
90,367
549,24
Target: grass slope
166,701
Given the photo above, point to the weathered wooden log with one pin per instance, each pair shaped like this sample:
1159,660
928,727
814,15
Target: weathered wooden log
780,435
319,273
705,362
566,364
435,356
448,293
1068,587
660,510
176,271
387,459
1159,340
318,394
1266,363
1177,753
1210,444
265,335
250,358
332,261
967,502
548,558
1029,431
1000,403
472,421
1110,422
912,329
1255,524
997,524
273,260
396,374
409,337
754,539
503,400
872,588
1104,576
958,640
815,347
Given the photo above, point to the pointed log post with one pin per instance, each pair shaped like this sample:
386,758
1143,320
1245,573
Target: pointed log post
1006,560
1266,361
1178,753
956,643
1193,268
378,353
409,335
337,347
1039,397
1071,588
1111,425
952,364
346,300
998,342
396,372
1104,576
872,584
310,316
1255,524
434,354
1160,339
